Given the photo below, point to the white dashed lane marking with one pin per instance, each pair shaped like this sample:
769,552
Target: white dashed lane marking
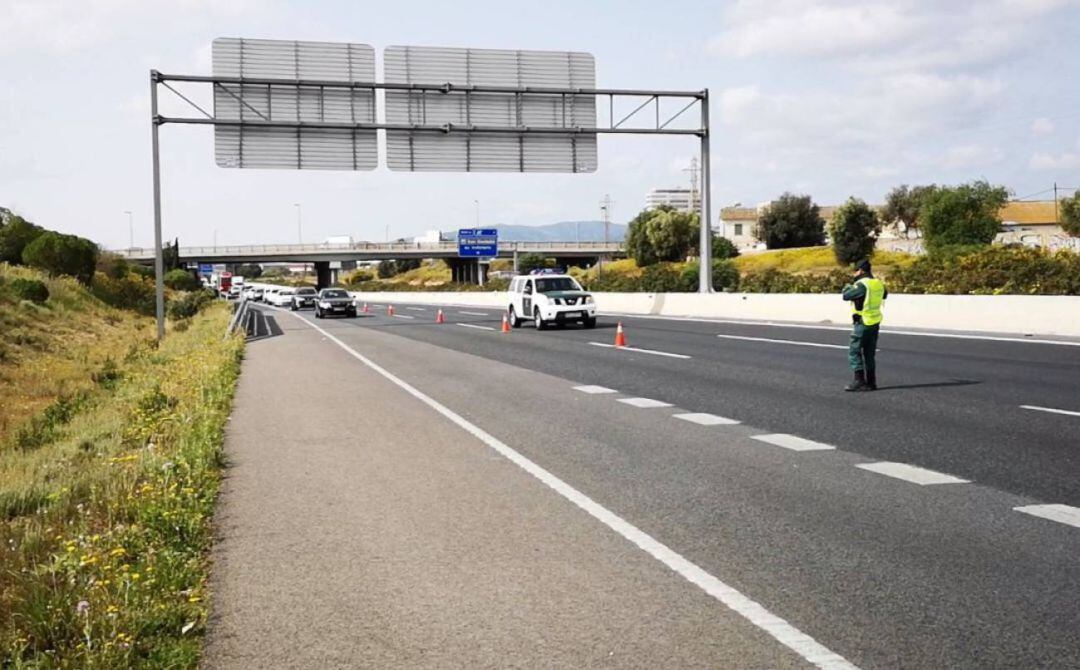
475,313
473,325
774,341
417,309
640,351
911,473
644,403
1061,513
793,442
706,419
402,316
1051,410
593,390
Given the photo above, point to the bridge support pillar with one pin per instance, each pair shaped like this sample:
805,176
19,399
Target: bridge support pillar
324,276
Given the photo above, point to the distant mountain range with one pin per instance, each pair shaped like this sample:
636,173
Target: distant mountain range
563,231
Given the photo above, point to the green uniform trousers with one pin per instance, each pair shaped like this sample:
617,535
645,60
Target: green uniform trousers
863,347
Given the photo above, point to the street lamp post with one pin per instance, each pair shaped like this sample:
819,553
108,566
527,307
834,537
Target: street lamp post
131,229
477,203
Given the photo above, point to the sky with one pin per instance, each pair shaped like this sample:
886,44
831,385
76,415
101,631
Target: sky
830,99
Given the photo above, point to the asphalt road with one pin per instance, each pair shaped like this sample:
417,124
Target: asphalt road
874,568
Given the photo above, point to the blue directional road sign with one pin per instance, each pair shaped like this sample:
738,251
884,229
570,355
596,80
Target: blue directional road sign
478,242
206,269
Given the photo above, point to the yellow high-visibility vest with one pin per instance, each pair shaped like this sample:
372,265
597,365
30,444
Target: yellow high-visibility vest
871,305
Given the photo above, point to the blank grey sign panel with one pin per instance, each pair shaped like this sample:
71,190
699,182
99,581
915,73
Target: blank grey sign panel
252,146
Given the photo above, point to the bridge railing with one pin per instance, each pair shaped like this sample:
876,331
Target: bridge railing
447,248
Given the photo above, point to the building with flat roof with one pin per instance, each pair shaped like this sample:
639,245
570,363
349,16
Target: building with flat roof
682,199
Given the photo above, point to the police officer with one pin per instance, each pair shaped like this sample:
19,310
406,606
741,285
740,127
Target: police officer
866,296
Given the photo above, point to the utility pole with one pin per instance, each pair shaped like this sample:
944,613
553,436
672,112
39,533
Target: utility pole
299,228
605,209
131,230
477,203
1056,203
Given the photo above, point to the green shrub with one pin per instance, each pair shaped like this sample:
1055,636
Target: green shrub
723,248
132,291
60,254
991,270
661,278
965,214
30,289
854,229
772,280
15,235
725,276
188,304
182,280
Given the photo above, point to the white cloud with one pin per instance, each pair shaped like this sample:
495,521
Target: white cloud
971,156
1042,126
1047,161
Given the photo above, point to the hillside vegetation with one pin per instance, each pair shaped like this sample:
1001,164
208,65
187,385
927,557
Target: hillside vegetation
53,349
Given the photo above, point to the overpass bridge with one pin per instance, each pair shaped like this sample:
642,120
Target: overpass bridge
321,255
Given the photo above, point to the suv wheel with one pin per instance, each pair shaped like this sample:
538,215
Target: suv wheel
512,317
589,322
537,321
318,312
292,306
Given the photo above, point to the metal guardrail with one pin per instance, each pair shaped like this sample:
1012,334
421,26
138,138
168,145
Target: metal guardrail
450,248
237,317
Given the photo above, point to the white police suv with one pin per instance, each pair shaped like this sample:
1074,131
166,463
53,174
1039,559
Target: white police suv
549,299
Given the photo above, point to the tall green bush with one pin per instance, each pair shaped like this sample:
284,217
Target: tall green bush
791,221
854,228
1070,214
132,291
182,280
991,270
15,235
723,248
60,254
962,215
662,234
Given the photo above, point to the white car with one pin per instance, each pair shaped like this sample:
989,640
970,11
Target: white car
549,299
282,297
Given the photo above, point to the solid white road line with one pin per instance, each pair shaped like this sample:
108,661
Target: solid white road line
473,325
887,330
640,351
1051,410
706,419
911,473
402,316
796,342
793,442
475,313
644,403
417,309
782,631
593,390
1060,513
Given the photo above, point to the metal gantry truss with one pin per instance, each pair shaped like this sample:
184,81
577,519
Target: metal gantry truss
632,123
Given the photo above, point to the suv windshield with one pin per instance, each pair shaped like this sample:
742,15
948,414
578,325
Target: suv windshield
305,291
556,284
334,293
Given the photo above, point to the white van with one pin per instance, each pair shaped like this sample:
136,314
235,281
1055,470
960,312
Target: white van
549,299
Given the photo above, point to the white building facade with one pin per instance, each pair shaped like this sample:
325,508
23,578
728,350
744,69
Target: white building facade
682,199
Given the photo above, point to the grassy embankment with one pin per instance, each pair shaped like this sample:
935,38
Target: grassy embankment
109,467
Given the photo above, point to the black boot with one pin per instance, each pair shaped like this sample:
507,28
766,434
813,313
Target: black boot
871,380
859,383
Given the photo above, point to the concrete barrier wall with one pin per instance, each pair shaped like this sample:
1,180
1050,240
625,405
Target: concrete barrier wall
1011,314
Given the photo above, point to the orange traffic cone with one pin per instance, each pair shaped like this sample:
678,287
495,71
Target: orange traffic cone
620,338
439,318
367,310
506,325
389,310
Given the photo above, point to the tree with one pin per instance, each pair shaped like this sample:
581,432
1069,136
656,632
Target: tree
968,214
61,254
182,280
854,229
15,235
791,221
171,255
250,270
662,234
386,269
902,207
406,264
723,248
530,262
1070,214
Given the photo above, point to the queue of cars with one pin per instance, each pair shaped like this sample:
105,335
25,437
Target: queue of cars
543,297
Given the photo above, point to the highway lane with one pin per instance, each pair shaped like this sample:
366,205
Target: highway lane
952,405
885,572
